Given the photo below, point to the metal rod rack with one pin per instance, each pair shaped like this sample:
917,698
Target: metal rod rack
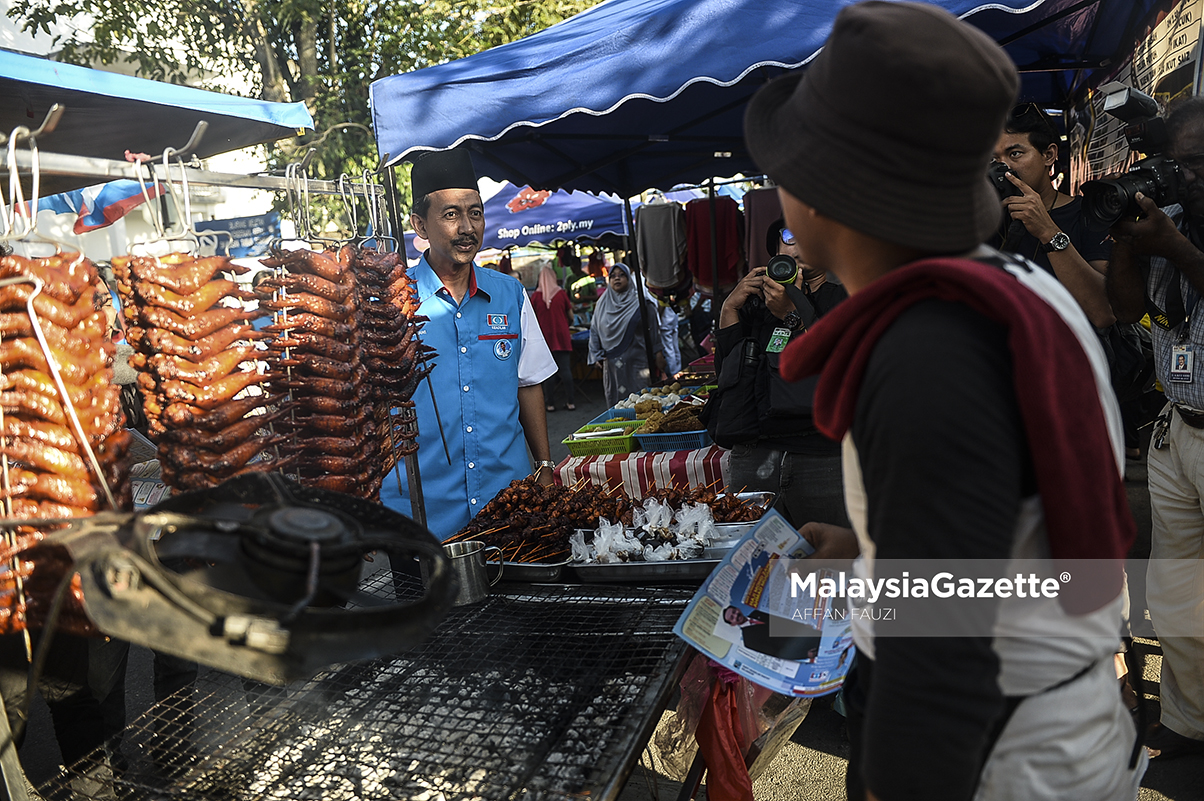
108,169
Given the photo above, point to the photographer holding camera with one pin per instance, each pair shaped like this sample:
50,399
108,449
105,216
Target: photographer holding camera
764,420
1046,226
1157,267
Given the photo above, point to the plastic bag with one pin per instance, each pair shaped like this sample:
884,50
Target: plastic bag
582,550
674,743
613,544
687,550
653,515
695,521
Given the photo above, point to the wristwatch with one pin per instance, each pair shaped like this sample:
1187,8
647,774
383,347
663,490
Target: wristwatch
545,463
792,320
1059,242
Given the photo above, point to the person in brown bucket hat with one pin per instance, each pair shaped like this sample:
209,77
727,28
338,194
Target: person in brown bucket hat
972,401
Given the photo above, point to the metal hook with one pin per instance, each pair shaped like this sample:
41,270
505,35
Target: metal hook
156,221
198,133
347,194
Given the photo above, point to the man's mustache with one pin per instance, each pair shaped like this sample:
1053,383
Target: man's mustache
464,240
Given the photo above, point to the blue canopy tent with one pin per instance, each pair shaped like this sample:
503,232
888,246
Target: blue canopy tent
108,113
635,94
522,216
638,94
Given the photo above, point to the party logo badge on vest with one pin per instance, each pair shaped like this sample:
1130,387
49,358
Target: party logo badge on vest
503,348
498,322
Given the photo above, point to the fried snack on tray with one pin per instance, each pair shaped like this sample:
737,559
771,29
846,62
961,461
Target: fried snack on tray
645,408
532,523
684,417
652,424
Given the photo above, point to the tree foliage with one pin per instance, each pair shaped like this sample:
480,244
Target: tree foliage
324,53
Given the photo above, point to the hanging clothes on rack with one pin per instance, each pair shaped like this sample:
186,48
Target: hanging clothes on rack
729,237
660,236
761,207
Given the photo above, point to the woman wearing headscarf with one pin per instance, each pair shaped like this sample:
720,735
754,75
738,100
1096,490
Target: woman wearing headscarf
554,311
616,337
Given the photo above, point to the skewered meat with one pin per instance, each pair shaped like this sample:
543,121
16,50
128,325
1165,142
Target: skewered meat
313,284
45,472
183,415
202,373
190,347
55,436
189,459
181,275
91,416
25,352
335,425
311,304
327,387
196,326
161,341
46,457
227,437
200,301
321,366
321,405
313,324
72,273
308,261
75,340
315,343
217,393
38,381
67,315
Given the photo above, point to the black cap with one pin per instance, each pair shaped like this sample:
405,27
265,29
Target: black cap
443,169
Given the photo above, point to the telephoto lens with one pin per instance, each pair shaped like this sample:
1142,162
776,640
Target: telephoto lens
782,268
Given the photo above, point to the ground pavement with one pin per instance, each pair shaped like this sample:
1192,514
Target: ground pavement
811,766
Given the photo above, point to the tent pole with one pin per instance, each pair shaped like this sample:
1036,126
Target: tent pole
634,258
716,290
392,201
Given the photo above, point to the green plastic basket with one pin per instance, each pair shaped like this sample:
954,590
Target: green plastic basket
620,443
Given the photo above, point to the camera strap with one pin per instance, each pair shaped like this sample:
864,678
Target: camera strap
803,305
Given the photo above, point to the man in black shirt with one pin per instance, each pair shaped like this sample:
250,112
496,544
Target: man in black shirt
1047,226
782,453
971,399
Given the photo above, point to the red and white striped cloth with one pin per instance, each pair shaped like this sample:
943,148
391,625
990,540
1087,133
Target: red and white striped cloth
638,472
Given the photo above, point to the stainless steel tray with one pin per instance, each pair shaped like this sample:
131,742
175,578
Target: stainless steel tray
532,571
643,572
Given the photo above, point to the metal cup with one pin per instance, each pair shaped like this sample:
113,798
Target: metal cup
468,566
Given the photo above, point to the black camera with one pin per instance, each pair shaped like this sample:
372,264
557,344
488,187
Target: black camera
997,172
782,268
1158,176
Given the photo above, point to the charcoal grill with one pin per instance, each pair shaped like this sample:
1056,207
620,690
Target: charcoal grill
540,691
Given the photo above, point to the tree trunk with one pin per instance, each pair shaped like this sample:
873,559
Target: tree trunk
274,88
307,58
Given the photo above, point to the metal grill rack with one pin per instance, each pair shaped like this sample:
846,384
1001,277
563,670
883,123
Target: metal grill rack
536,692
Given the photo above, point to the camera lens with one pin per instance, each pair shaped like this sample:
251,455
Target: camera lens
998,172
1104,201
782,268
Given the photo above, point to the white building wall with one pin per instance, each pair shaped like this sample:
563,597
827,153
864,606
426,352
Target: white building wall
136,229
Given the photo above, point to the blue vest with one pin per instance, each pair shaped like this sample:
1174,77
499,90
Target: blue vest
477,348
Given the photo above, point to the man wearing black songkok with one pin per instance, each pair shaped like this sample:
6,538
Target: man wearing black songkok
490,357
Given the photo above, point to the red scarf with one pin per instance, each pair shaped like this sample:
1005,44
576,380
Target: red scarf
1086,509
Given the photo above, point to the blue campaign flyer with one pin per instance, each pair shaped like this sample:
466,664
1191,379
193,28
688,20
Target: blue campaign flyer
754,616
